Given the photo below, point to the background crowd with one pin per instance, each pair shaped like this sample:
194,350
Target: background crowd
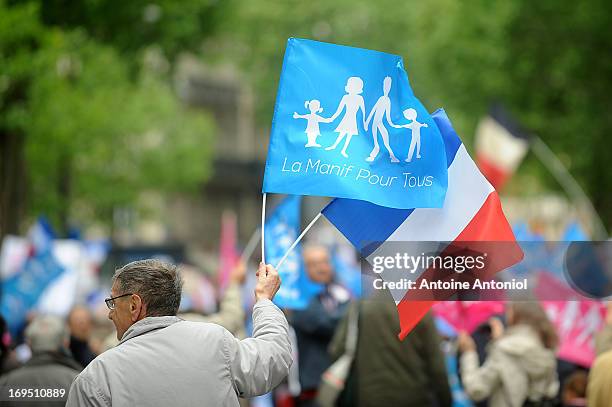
508,360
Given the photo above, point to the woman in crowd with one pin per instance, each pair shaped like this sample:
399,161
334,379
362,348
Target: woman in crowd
520,368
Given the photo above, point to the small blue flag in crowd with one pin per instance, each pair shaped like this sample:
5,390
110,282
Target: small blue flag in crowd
574,233
41,235
22,291
347,124
281,230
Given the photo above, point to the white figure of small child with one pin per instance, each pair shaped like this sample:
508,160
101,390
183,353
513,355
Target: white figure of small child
312,127
415,126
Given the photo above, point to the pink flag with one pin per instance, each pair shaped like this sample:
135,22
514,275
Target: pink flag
467,315
228,255
576,318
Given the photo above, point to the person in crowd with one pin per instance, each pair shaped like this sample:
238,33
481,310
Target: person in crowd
8,361
387,371
231,311
315,325
573,393
567,370
603,338
230,315
51,366
599,388
80,325
482,336
520,366
162,360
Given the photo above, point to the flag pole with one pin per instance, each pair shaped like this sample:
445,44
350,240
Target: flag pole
263,221
250,246
568,183
312,222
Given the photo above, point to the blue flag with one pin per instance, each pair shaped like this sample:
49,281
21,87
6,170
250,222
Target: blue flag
574,233
347,124
523,233
21,292
281,230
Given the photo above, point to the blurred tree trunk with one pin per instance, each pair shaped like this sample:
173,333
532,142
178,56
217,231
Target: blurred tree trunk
64,192
12,182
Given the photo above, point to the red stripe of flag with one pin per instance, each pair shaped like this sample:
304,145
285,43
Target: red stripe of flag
488,225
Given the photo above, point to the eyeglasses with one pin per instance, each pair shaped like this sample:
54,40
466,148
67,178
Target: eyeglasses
110,302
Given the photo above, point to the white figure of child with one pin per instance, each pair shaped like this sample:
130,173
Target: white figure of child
312,126
415,126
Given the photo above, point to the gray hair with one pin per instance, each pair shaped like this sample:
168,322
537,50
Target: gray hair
158,283
46,333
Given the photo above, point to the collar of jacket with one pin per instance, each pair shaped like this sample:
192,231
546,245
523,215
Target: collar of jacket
521,330
147,325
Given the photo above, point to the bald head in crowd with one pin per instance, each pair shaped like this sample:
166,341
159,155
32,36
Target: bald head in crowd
317,262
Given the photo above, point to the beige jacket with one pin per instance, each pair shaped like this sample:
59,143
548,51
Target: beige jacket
518,367
599,391
603,340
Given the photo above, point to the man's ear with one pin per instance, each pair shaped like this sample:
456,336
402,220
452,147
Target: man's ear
137,308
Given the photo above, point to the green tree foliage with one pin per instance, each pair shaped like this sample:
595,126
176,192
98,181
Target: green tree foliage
95,132
548,61
174,26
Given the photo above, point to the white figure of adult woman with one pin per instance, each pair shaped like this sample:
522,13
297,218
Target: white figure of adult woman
353,101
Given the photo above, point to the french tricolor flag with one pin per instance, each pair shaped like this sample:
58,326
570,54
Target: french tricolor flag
501,145
472,212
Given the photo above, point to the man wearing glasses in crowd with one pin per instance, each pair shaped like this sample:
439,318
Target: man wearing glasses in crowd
162,360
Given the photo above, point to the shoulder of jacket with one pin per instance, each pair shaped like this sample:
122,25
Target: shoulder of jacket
200,326
604,360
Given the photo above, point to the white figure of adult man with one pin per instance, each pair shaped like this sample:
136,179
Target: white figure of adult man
381,109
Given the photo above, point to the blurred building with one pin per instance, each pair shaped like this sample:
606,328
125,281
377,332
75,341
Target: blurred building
235,184
547,214
239,157
188,227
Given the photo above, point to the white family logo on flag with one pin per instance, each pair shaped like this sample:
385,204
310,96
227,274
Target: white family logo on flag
353,103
